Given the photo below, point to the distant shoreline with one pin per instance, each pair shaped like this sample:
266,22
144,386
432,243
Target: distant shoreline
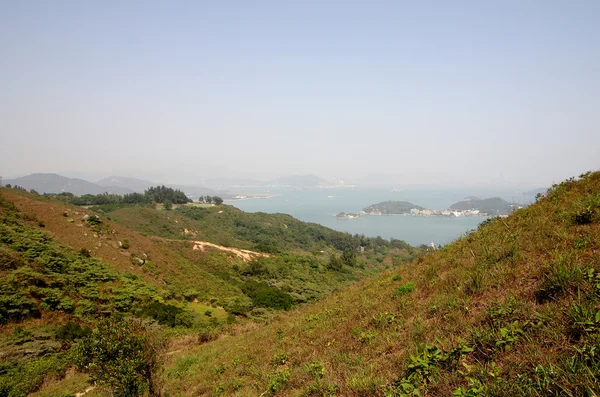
417,216
252,197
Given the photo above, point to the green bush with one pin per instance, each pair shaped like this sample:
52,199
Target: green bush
124,355
71,331
25,378
168,315
405,289
263,295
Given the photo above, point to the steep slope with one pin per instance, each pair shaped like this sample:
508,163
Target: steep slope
62,268
511,309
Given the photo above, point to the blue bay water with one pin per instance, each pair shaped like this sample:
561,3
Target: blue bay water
320,205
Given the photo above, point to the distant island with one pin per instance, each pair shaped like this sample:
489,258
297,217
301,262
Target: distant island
391,208
343,215
491,206
470,206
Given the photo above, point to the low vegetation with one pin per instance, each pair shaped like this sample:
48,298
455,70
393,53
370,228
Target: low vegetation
509,309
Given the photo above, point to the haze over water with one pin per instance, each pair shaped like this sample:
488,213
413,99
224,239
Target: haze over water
320,205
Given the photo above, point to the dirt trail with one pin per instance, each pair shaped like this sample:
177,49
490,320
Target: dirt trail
246,255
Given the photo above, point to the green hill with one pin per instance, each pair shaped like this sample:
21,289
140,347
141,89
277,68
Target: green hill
490,206
510,309
62,268
391,208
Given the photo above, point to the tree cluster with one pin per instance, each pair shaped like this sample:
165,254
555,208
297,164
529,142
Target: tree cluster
158,194
210,200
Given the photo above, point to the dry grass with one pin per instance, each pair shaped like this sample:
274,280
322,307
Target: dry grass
363,336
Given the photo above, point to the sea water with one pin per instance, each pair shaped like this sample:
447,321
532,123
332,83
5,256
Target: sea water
320,205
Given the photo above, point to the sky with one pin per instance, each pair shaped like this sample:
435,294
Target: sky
454,92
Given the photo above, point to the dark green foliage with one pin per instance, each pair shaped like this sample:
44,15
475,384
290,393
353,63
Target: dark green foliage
21,380
9,260
124,355
263,295
135,198
210,200
335,263
94,220
583,216
156,194
168,315
168,205
349,257
160,194
15,305
44,275
72,331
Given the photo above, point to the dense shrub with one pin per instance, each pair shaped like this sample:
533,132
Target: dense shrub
71,331
263,295
124,355
168,315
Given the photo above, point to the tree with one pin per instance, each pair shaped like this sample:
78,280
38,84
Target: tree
124,355
217,200
168,205
208,199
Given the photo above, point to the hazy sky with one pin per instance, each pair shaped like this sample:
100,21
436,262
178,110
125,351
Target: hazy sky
453,91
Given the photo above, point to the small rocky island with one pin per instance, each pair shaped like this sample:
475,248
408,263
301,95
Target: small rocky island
343,215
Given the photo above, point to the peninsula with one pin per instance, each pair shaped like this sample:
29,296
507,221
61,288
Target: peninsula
470,206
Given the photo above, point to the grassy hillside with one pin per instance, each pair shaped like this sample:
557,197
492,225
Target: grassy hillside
62,268
511,309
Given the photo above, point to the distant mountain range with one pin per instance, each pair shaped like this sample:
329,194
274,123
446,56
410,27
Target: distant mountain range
54,183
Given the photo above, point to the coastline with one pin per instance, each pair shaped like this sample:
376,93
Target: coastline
252,197
420,215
